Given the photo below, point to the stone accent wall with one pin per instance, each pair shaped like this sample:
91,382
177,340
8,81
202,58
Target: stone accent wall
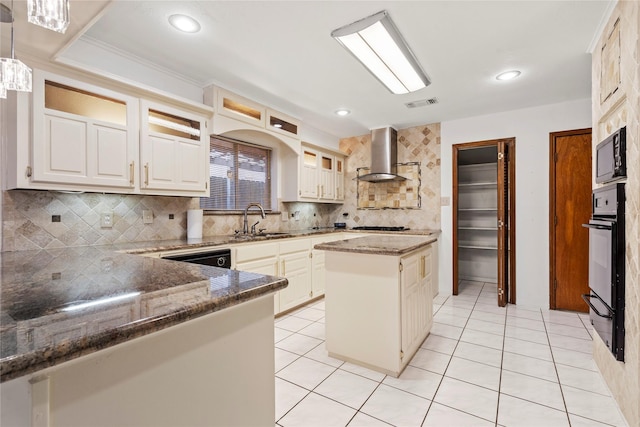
620,106
416,144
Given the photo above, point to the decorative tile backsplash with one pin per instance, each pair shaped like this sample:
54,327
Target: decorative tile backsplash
48,219
392,194
419,144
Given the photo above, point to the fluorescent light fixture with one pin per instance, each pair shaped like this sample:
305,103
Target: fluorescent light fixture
102,301
184,23
376,42
508,75
50,14
175,126
343,112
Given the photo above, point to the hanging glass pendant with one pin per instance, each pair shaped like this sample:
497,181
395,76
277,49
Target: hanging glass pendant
15,75
50,14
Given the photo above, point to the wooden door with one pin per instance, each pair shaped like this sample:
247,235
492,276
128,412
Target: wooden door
570,207
505,214
506,222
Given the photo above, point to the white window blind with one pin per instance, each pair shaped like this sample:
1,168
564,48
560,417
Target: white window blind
239,174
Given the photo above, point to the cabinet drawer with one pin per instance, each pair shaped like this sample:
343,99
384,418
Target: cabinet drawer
289,246
256,251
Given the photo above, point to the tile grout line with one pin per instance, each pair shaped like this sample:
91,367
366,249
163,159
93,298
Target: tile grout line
432,401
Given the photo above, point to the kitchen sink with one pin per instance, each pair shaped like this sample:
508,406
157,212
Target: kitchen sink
265,234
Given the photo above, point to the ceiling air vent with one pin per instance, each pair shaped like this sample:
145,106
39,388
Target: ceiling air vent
422,103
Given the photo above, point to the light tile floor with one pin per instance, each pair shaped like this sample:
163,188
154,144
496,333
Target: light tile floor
482,365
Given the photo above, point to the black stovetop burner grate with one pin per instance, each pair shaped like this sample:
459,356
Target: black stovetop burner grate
380,228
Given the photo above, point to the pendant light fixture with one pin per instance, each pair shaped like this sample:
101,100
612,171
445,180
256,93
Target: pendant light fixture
50,14
14,74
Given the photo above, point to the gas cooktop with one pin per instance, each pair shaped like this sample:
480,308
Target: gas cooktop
380,228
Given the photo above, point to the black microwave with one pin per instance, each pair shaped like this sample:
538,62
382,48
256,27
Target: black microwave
611,157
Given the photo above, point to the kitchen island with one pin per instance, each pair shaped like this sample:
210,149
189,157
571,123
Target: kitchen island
379,299
89,336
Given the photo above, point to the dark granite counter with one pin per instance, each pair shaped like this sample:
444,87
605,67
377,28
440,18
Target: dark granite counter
57,305
169,245
379,245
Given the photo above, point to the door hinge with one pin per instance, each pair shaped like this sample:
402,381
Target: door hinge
206,185
401,355
555,220
310,294
500,292
310,254
400,267
29,172
500,156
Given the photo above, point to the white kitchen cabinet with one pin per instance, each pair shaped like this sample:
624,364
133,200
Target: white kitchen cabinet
295,265
339,178
83,137
73,135
318,177
261,258
173,151
416,299
327,177
309,174
379,308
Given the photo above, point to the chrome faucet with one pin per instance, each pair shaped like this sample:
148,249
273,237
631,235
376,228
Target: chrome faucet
245,224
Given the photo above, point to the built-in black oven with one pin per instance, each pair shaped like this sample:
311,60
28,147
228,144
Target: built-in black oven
606,266
611,157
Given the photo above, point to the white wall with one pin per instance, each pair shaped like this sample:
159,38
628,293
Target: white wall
531,128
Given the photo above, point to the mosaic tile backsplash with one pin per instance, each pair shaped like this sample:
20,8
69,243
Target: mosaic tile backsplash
48,219
392,194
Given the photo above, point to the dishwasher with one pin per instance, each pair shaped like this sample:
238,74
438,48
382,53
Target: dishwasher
220,258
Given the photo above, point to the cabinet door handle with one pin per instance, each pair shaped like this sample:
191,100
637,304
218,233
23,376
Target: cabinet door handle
284,270
422,266
318,190
276,269
131,170
322,186
146,174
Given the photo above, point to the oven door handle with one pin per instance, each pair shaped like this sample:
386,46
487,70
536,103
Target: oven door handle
587,297
598,227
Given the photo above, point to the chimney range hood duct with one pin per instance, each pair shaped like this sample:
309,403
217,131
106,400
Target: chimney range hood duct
384,156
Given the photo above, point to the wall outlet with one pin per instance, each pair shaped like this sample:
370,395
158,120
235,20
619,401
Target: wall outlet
106,220
147,216
296,215
284,216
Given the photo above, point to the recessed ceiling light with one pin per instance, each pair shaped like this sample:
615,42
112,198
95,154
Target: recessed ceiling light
343,112
508,75
184,23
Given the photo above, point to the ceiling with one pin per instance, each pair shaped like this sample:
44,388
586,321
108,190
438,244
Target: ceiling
281,53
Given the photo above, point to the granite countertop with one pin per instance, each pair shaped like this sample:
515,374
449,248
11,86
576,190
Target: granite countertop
212,241
379,245
57,305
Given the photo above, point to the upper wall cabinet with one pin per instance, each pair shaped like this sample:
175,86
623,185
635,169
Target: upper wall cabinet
236,113
173,150
319,176
75,136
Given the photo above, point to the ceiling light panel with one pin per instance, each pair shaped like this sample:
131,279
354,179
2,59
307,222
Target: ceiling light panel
376,42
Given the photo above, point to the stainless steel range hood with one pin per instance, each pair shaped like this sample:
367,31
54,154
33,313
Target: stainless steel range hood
384,156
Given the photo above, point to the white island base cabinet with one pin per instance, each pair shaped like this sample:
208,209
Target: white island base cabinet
379,308
215,370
